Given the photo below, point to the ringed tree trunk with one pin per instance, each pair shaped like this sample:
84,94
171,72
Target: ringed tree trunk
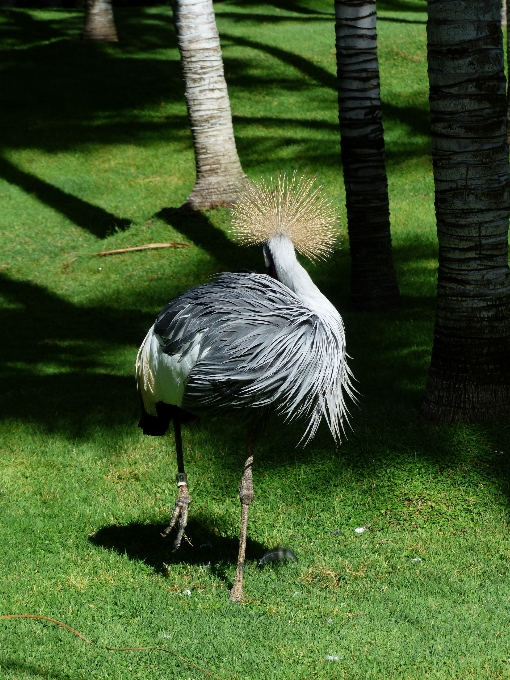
469,376
373,281
219,171
99,23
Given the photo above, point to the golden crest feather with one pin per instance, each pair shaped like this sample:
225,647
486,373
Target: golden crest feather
291,206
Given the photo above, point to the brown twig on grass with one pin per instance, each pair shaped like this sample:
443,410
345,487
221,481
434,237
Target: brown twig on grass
110,649
118,251
147,246
66,264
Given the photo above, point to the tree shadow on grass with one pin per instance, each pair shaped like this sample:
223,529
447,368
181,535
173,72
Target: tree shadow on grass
206,545
404,6
32,29
94,219
306,66
72,404
46,322
288,5
198,228
416,118
393,20
56,377
56,93
274,18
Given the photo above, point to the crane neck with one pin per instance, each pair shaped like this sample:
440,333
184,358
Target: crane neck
293,275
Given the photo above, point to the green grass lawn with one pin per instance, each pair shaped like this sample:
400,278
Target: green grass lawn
95,153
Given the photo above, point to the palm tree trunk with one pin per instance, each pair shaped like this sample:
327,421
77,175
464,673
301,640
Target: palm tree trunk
219,171
373,280
469,377
99,23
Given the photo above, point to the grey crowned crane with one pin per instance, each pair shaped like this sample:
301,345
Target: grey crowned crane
252,344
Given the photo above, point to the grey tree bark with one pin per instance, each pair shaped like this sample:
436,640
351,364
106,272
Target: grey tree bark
373,280
99,23
469,376
218,168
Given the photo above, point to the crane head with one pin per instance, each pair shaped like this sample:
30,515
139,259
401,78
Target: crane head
293,207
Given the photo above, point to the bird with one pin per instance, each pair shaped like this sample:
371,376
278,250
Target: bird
252,345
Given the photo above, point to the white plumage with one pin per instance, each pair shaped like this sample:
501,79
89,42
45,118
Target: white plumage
162,377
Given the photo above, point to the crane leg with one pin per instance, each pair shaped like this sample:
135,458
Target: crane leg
246,496
180,513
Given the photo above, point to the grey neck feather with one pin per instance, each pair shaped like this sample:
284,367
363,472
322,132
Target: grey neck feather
295,277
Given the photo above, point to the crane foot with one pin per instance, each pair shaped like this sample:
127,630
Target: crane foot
179,516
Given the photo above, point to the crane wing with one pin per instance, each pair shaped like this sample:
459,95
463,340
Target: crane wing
257,346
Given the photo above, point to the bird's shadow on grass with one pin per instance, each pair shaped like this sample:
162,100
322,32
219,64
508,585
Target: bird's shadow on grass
204,545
